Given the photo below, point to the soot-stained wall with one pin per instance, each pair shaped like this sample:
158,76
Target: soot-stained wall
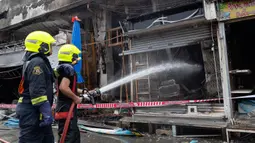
13,12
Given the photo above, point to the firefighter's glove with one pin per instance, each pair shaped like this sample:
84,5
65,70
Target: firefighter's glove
45,110
88,97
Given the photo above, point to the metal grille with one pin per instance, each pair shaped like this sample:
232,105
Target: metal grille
13,73
11,47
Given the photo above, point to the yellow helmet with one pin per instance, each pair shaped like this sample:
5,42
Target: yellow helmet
39,42
69,53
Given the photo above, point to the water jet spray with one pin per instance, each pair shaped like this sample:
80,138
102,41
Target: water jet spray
151,70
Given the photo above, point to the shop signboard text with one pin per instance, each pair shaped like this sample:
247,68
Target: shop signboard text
237,9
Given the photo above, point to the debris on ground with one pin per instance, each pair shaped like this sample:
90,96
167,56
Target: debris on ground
2,114
194,141
116,131
12,123
164,132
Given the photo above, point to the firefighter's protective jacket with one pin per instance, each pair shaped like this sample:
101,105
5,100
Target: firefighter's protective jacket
38,78
65,70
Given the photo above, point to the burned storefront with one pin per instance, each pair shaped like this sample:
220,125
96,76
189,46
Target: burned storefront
174,43
10,70
183,39
176,46
236,32
18,21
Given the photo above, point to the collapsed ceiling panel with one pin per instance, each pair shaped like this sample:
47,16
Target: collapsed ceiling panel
11,59
11,54
16,13
49,26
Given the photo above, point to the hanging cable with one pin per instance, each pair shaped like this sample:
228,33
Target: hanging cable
163,19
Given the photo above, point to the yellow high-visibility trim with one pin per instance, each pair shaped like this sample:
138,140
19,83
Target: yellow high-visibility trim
20,100
56,73
40,117
39,100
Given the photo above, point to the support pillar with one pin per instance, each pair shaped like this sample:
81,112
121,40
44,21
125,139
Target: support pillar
224,68
174,130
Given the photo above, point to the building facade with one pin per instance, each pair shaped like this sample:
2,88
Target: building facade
206,36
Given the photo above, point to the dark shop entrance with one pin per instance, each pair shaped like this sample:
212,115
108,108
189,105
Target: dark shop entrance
241,53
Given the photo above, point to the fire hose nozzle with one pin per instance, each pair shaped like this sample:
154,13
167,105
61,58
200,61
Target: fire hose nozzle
97,91
90,95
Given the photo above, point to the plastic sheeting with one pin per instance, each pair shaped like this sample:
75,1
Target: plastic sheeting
76,40
12,123
246,106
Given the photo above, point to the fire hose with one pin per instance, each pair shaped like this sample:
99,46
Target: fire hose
3,141
63,137
89,95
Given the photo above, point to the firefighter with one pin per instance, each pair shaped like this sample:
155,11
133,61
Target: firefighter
36,90
67,92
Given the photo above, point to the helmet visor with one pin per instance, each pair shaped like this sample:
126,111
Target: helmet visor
51,46
76,57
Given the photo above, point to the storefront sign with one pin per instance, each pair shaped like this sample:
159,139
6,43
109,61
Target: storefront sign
237,9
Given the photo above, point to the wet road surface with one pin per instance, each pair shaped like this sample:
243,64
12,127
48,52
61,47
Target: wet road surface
12,137
98,138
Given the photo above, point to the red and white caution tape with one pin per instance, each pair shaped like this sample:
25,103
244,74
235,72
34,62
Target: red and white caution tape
136,104
141,104
7,106
126,105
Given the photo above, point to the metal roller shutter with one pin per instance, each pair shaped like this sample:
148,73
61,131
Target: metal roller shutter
169,39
